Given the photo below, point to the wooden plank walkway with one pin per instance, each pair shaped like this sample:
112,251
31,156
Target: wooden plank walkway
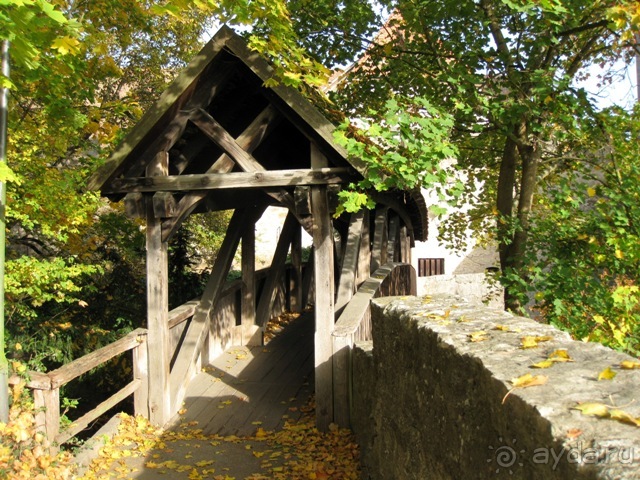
247,385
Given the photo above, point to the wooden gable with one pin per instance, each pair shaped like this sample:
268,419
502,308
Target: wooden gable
223,139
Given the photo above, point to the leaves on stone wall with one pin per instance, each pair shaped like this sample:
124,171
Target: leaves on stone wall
600,410
525,381
606,374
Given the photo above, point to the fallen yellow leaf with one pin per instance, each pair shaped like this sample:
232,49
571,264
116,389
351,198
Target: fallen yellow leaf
624,417
593,409
606,374
560,356
531,341
629,365
528,380
479,336
544,364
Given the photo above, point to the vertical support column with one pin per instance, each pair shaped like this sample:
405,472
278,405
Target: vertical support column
296,272
364,256
47,404
346,286
379,250
141,372
392,239
248,313
158,307
324,297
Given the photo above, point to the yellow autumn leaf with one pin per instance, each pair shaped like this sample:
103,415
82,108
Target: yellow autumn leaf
479,336
528,380
524,381
591,191
544,364
619,254
531,341
606,374
629,365
593,409
66,45
623,417
503,328
560,356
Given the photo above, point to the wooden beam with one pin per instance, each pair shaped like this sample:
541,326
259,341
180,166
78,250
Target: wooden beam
248,293
302,198
173,108
217,134
247,162
346,286
379,249
295,297
249,139
135,205
364,256
324,306
158,308
185,365
217,181
164,204
267,298
392,240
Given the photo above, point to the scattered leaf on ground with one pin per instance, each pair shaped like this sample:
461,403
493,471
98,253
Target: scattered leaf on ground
525,381
629,365
531,341
606,374
479,336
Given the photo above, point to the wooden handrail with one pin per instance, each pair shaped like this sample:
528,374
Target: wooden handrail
354,324
46,386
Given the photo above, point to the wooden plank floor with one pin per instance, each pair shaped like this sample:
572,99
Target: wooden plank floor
247,385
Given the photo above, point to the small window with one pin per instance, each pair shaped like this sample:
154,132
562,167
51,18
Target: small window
430,266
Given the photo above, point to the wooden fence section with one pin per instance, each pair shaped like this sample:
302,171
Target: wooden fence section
225,329
354,324
46,387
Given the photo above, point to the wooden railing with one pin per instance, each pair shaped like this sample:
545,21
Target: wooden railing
354,325
46,387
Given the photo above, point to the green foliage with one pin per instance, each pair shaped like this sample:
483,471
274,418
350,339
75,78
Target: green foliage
585,273
30,282
505,71
405,146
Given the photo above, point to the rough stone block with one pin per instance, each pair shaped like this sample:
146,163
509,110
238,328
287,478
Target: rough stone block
435,404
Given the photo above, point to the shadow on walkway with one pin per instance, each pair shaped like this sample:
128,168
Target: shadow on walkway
246,416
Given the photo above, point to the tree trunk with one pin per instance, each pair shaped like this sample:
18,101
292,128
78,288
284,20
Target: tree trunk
512,239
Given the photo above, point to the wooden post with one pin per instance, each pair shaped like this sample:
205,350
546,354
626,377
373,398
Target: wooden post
324,280
248,307
324,306
364,255
295,297
269,290
47,404
379,250
392,239
346,286
158,307
141,372
307,279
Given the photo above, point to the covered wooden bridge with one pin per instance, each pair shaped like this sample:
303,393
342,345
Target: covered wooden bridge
219,139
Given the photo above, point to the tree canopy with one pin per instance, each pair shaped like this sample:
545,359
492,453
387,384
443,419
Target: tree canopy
491,83
508,73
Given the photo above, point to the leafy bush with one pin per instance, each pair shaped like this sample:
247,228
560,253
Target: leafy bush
24,452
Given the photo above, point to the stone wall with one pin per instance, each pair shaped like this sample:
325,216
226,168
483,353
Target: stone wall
474,287
430,398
